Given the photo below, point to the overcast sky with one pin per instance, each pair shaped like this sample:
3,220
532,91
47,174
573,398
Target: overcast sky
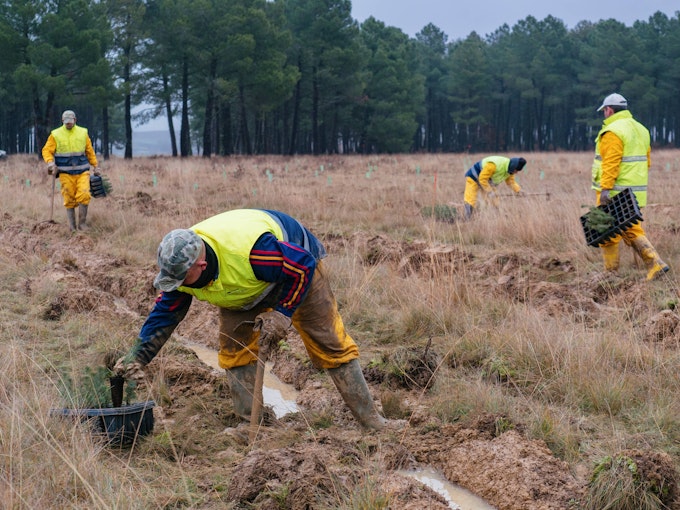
457,18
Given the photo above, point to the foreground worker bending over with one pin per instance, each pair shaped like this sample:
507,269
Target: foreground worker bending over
259,267
622,160
487,174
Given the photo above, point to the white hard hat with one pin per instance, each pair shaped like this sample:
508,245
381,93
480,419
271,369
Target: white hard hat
613,100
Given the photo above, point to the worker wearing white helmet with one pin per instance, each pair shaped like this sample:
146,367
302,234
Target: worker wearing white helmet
622,160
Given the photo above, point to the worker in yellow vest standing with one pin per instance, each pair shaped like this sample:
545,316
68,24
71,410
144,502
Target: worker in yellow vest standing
622,160
69,152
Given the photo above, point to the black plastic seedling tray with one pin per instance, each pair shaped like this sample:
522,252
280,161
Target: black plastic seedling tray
118,425
625,211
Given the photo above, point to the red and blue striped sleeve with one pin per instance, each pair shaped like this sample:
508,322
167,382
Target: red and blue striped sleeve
284,263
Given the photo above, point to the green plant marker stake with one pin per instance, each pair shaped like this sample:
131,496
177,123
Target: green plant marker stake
254,192
155,180
28,183
58,186
316,173
329,181
668,167
224,174
270,176
122,179
418,170
195,186
6,178
321,168
541,175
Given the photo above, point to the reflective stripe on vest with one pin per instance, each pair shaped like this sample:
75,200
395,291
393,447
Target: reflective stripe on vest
70,155
633,172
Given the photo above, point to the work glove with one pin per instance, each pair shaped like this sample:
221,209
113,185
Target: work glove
51,167
95,170
604,197
130,370
273,326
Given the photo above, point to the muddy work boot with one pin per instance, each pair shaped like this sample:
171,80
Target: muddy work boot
468,211
82,218
349,379
655,266
241,382
71,215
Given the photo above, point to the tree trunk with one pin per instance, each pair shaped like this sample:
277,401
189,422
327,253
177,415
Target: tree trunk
184,137
209,111
105,133
169,114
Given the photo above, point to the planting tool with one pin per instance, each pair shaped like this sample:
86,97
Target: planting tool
520,195
54,180
257,400
117,383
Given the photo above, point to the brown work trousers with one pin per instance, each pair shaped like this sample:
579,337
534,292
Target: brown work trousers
316,320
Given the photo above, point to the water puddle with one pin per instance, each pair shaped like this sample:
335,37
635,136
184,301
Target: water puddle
457,497
281,397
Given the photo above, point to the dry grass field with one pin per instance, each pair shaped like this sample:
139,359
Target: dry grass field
526,375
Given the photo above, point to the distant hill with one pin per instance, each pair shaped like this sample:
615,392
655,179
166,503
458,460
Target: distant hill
148,143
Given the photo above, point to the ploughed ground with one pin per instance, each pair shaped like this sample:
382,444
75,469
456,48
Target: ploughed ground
319,457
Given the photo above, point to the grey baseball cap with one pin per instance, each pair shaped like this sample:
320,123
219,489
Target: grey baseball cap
177,252
68,115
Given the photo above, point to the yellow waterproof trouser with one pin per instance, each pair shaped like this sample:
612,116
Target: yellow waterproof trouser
75,189
471,190
627,235
316,319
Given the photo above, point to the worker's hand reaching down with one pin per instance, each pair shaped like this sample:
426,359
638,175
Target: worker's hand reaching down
130,370
273,326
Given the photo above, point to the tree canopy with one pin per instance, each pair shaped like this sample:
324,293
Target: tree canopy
304,77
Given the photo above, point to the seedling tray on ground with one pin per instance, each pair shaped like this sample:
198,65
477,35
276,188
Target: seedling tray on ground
118,425
625,211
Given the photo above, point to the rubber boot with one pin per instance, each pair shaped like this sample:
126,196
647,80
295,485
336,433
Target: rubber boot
468,211
71,215
242,386
349,380
610,255
82,218
655,266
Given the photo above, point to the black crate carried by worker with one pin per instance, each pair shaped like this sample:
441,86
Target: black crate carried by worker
624,212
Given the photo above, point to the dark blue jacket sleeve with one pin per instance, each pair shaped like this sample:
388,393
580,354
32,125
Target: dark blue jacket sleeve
287,264
168,311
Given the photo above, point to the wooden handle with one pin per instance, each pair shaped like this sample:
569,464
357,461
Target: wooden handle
257,401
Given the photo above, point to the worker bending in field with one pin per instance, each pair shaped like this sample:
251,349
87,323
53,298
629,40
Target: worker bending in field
261,268
69,152
486,175
622,160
